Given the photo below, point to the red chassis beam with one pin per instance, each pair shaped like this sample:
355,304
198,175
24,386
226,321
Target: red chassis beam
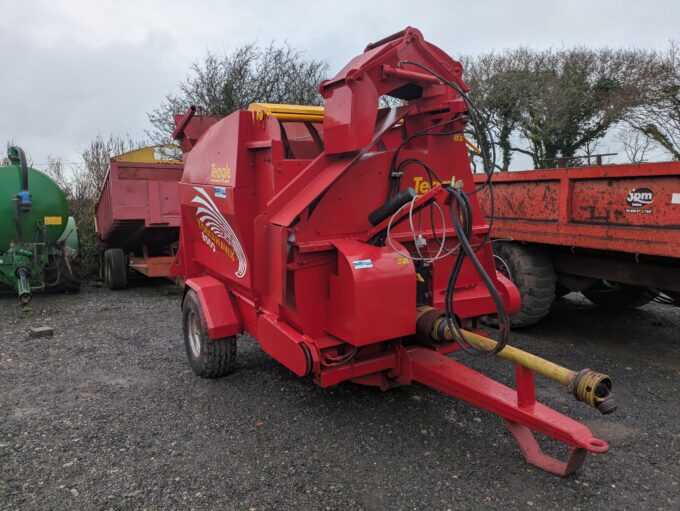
152,266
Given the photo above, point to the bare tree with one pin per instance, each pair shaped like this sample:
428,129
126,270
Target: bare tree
658,114
221,84
500,83
635,144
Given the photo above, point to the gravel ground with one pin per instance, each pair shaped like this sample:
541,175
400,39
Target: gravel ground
107,415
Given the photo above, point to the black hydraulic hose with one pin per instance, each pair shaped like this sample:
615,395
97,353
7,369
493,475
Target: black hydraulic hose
24,168
463,232
391,205
459,206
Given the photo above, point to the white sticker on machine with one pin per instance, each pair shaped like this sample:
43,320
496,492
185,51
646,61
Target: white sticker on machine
221,192
675,198
364,263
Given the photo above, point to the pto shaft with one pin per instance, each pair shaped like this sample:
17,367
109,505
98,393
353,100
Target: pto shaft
23,285
591,387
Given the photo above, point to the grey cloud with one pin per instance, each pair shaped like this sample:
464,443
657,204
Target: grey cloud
73,70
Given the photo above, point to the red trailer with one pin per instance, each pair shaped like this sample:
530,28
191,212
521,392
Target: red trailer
611,232
137,215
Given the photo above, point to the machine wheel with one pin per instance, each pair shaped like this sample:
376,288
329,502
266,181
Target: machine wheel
615,296
115,268
209,358
532,272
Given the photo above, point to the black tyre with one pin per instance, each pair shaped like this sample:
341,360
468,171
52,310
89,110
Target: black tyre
616,297
209,358
115,268
532,272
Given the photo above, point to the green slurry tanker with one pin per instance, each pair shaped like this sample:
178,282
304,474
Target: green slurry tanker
38,238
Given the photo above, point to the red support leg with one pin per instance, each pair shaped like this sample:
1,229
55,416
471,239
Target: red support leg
532,452
524,382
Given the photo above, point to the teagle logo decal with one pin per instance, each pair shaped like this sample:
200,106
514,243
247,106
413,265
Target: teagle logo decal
221,175
639,197
216,231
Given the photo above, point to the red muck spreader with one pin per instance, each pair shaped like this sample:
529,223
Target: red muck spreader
607,231
299,227
137,215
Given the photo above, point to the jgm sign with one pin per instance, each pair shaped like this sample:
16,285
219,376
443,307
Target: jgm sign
638,198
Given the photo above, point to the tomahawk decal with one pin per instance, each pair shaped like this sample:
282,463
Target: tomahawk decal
213,224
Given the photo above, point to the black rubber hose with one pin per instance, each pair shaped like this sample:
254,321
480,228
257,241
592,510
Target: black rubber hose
463,232
391,205
24,168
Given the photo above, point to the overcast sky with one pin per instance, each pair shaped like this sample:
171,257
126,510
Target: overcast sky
71,68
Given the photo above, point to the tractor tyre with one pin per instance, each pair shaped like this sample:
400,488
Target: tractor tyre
615,296
530,269
115,268
209,358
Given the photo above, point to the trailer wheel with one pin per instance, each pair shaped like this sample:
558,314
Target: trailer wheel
616,296
532,272
115,268
209,358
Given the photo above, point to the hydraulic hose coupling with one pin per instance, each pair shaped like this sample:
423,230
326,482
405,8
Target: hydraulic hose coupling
594,389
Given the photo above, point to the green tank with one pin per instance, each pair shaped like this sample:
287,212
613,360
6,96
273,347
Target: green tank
38,239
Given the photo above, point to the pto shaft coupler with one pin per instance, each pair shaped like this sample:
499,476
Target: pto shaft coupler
591,387
23,285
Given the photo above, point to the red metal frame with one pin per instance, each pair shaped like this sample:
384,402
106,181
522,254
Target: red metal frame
281,225
152,266
587,207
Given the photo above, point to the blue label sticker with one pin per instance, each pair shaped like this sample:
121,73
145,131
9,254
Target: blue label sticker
364,263
220,192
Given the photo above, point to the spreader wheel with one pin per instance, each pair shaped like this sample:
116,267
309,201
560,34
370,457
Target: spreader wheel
115,268
533,274
616,296
209,358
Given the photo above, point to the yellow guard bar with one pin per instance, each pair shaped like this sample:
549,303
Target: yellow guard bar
302,113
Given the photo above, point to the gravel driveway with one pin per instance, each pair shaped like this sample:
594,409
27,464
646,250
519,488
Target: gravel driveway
107,415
